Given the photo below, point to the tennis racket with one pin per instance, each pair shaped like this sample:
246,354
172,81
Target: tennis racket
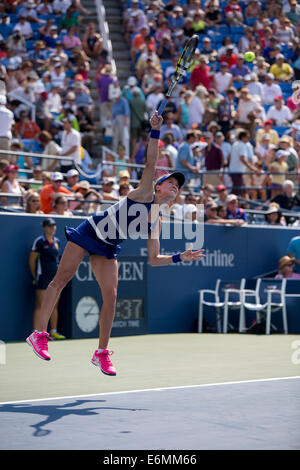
182,66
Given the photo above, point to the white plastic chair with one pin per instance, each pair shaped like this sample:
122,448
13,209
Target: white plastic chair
215,303
275,301
218,303
234,304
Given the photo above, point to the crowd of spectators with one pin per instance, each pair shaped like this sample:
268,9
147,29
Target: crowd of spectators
233,127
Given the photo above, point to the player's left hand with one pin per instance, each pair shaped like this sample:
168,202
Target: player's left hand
190,255
156,121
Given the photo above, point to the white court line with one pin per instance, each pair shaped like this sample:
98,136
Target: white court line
151,390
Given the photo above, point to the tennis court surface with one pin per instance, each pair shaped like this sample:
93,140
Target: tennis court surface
184,391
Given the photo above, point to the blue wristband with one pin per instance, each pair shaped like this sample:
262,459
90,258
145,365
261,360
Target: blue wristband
176,258
154,134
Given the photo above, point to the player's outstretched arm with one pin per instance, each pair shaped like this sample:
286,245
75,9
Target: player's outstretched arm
144,191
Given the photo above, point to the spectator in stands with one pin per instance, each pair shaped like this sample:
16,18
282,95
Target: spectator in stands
170,127
169,140
211,108
51,38
233,13
211,216
292,159
71,40
273,215
281,70
107,190
43,115
185,159
285,268
287,199
239,70
60,207
270,89
26,128
214,161
106,78
10,184
70,145
93,202
24,27
221,195
58,75
212,14
122,160
51,191
227,111
248,112
267,130
32,203
6,124
233,211
278,170
45,248
92,43
239,163
146,57
196,109
201,75
49,148
279,112
254,87
72,178
4,164
121,122
82,98
223,79
138,115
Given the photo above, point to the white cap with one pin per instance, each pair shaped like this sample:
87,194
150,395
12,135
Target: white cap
132,81
72,172
57,176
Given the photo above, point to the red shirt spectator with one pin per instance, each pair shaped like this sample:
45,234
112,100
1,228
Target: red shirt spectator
201,75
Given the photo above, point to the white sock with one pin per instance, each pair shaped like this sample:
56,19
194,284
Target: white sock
100,350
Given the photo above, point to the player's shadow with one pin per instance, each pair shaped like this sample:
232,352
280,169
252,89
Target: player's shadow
55,412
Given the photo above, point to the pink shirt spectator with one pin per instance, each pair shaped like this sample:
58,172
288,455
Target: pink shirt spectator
69,42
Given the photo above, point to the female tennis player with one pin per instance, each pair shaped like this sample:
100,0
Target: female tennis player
100,237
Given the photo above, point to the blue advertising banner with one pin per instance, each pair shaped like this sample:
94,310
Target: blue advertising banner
170,293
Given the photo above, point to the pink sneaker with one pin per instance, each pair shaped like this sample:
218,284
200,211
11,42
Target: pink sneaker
102,360
39,343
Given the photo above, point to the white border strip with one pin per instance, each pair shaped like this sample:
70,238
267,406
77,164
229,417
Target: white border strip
151,390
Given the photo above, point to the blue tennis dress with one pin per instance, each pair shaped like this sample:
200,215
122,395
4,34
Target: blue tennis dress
103,232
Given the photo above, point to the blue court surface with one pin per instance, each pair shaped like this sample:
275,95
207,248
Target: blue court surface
253,414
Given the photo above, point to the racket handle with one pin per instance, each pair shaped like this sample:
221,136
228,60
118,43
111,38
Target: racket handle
162,107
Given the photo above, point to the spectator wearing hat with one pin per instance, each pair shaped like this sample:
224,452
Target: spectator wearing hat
196,109
51,38
104,80
38,55
28,10
54,100
270,89
278,169
267,130
273,215
223,79
107,190
292,159
50,147
70,144
43,264
285,268
72,178
15,43
281,70
248,112
211,216
233,211
201,75
228,52
59,54
11,185
279,112
51,191
58,75
149,55
284,33
227,111
294,13
6,124
222,194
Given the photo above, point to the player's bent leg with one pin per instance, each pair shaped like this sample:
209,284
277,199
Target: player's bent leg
72,256
106,273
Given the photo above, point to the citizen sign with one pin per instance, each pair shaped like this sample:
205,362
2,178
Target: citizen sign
128,271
